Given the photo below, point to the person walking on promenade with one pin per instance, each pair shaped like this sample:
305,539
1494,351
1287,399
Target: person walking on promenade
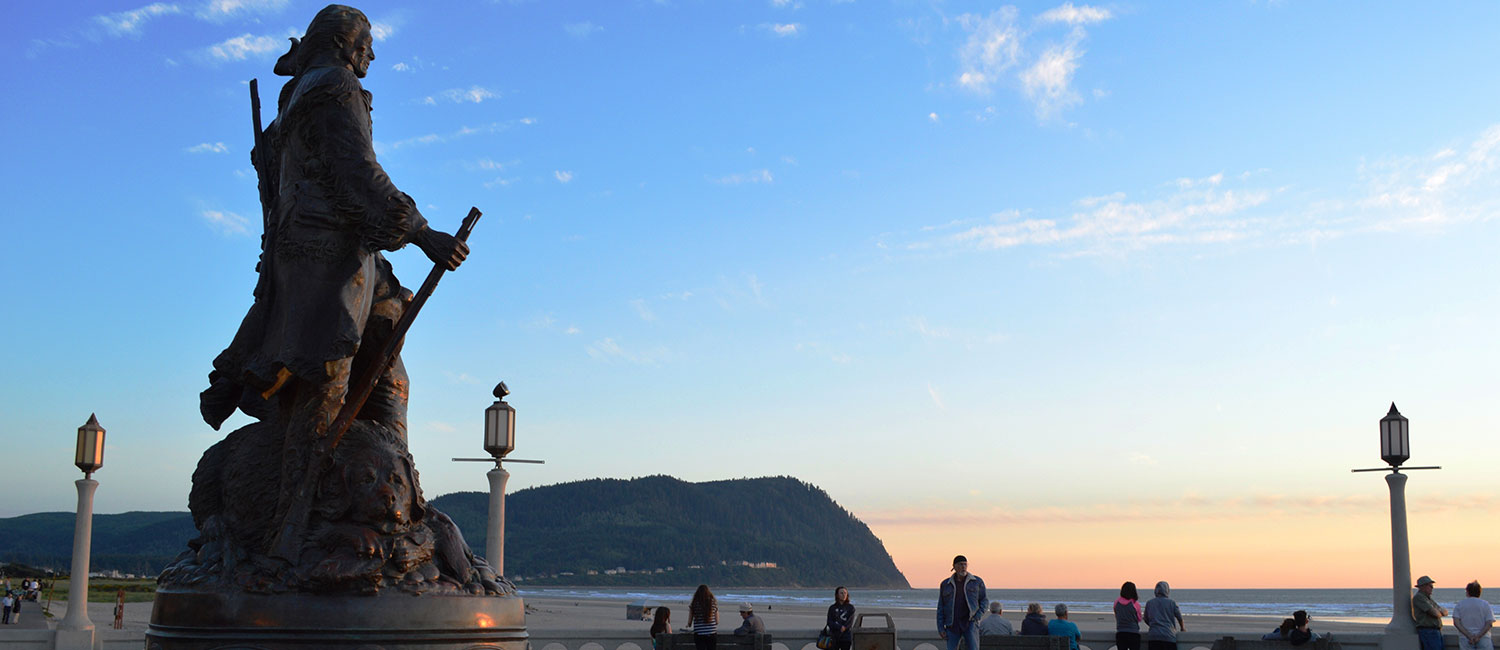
1473,617
752,623
661,623
994,624
7,601
703,617
841,620
961,601
1035,622
1428,615
1128,618
1063,627
1161,613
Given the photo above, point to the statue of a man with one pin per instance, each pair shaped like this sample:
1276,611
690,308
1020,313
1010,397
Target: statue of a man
327,300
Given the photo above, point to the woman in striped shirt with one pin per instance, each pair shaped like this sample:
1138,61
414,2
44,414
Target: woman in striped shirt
703,616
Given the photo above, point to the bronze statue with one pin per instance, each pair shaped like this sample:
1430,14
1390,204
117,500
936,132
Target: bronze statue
300,502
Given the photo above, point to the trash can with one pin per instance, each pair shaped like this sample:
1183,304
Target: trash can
871,636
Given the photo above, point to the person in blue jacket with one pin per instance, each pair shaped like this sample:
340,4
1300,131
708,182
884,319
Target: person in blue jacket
961,603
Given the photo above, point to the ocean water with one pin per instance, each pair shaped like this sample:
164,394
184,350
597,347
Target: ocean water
1367,604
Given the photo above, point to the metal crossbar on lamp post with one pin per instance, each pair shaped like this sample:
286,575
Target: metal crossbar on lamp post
499,440
1395,449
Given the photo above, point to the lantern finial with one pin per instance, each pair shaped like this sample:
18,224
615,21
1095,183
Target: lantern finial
501,391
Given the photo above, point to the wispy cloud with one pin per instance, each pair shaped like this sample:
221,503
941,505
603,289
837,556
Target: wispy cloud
755,287
470,95
609,350
460,377
783,29
997,44
401,66
489,165
562,176
937,398
1455,184
129,23
929,332
462,132
756,176
993,47
582,30
243,47
208,147
1048,82
639,305
380,31
1113,224
1452,185
219,10
1067,13
227,223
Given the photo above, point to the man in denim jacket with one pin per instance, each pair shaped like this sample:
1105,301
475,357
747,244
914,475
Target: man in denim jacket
958,615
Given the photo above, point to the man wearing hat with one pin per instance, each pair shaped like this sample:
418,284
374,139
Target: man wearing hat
752,624
961,602
1428,615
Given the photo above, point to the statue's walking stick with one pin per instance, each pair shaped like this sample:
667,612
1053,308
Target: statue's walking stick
288,542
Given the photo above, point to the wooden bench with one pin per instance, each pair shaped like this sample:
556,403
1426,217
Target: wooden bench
1028,642
1323,642
684,641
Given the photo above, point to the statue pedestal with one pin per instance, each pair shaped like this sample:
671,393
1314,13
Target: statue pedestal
186,620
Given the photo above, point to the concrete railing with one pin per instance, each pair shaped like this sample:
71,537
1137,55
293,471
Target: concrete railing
105,639
110,639
917,640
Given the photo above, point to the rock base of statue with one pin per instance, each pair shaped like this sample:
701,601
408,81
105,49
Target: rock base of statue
186,620
376,567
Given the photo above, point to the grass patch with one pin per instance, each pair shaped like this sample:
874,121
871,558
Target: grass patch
103,590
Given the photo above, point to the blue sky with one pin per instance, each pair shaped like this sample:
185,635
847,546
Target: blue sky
1042,265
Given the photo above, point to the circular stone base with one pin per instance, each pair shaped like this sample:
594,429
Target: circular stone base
223,621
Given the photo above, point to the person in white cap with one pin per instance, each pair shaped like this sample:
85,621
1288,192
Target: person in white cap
752,624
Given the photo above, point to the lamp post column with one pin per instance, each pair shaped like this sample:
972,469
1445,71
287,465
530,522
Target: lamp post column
1401,621
494,543
77,618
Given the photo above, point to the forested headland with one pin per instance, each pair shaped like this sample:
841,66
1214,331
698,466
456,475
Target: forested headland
652,531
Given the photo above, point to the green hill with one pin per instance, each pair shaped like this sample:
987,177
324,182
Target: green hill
703,531
133,542
558,534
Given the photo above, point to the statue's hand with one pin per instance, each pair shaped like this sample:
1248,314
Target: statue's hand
442,248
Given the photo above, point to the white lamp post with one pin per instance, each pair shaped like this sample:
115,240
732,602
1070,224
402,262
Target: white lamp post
76,629
1395,449
499,440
